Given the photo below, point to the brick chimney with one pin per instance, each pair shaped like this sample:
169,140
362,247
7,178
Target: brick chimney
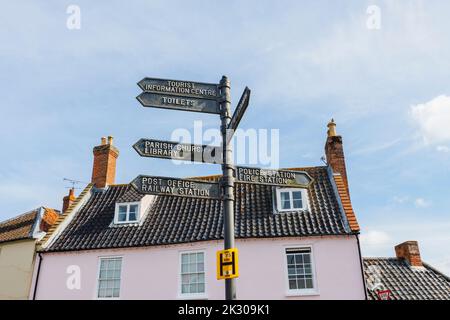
409,251
67,200
104,168
334,152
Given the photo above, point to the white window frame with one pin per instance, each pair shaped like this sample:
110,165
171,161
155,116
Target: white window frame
99,262
305,200
128,204
191,296
300,292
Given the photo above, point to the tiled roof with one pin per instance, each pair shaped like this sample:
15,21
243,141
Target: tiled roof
346,203
17,228
404,281
172,220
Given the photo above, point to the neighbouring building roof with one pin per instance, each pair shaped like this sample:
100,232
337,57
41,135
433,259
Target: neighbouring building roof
172,220
404,281
27,225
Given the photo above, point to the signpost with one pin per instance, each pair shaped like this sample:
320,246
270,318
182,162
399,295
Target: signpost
285,178
176,187
178,151
206,98
238,113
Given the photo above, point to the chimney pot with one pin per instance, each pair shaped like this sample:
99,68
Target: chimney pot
103,141
409,251
110,140
68,200
331,128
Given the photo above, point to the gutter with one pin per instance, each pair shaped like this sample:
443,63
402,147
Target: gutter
362,266
37,275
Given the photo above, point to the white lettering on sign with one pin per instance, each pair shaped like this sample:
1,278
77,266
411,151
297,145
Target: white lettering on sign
178,101
181,87
173,186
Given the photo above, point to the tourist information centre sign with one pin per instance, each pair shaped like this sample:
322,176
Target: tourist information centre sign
286,178
176,187
179,95
178,151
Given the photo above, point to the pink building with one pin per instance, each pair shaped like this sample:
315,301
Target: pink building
294,243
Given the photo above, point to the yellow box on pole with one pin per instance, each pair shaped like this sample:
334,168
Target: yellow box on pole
227,264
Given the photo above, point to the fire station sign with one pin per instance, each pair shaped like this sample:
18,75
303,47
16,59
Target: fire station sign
227,264
178,151
286,178
179,95
176,187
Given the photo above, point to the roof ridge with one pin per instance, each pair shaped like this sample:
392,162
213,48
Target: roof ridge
20,215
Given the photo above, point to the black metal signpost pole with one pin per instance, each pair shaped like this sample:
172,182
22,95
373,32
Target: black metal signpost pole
227,180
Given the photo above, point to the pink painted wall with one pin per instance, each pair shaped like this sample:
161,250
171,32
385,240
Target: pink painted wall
153,272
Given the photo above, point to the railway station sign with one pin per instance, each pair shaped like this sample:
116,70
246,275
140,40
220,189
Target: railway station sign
176,187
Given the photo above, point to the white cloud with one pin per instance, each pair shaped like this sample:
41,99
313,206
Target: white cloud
375,238
443,149
432,119
401,199
421,203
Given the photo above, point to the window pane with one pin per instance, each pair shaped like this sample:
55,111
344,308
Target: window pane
290,259
184,268
122,217
200,257
201,288
285,200
123,209
292,284
284,196
185,278
309,283
185,288
133,212
184,258
193,288
298,258
297,204
193,267
307,258
296,195
200,267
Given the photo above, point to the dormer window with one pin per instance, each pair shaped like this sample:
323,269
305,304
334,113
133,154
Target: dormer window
127,213
292,199
132,212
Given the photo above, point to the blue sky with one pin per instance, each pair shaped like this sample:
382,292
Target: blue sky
388,90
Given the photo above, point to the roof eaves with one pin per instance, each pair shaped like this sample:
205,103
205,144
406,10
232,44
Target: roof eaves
65,218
